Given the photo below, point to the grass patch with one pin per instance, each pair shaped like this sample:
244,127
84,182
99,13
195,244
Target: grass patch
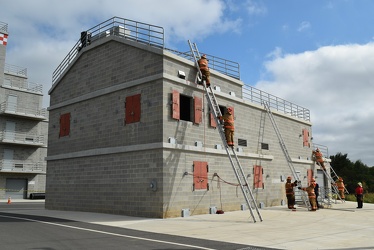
368,198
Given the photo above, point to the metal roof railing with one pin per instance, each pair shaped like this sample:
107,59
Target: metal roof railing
3,27
221,65
154,36
26,86
128,29
258,96
324,149
15,70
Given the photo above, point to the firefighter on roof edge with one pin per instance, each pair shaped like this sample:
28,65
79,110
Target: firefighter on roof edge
319,158
228,124
204,68
290,193
311,194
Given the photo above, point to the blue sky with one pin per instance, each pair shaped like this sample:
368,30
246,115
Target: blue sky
318,54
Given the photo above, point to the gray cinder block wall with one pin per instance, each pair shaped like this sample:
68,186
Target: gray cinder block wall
105,165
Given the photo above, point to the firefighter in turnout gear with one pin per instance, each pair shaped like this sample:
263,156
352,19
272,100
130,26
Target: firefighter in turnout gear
341,187
204,68
311,194
319,158
290,193
228,124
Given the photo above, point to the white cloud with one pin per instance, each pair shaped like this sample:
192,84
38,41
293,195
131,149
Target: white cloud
255,7
304,26
337,84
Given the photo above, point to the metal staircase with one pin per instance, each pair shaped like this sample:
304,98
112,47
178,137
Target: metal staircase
288,158
238,170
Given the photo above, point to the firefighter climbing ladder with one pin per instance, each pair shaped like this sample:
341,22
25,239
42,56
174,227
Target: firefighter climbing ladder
234,160
285,151
334,175
330,177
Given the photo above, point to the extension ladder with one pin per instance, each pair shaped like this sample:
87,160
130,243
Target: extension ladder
234,160
334,175
330,177
285,151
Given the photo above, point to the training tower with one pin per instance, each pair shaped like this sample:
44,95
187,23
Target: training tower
132,130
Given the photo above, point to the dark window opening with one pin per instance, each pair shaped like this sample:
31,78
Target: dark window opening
265,146
242,142
222,109
186,108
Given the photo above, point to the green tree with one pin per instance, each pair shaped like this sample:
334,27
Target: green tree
353,172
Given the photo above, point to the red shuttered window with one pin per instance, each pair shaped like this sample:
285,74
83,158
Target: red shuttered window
65,124
198,107
200,175
305,134
133,109
258,181
175,105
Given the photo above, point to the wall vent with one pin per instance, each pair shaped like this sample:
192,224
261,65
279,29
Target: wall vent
185,212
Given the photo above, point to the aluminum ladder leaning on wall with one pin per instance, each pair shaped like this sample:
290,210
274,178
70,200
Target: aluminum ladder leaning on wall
288,158
334,175
234,160
330,177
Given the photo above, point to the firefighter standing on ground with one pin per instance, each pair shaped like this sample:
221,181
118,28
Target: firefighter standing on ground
316,191
228,124
311,194
319,158
359,193
290,193
204,68
340,184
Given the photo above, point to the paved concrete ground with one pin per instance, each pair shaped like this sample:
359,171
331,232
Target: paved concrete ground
342,226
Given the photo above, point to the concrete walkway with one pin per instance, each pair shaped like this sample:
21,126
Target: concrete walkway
342,226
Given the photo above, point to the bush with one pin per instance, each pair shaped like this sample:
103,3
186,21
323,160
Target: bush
368,198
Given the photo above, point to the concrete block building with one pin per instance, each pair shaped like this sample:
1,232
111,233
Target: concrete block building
130,131
23,130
